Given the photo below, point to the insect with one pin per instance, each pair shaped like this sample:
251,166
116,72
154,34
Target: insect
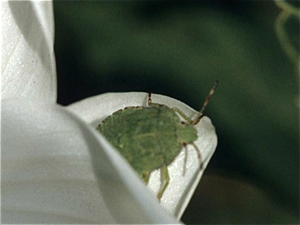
151,137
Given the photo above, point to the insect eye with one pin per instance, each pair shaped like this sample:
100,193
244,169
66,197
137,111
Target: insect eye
182,122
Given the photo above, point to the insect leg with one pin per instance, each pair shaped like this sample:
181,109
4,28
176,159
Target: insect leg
199,155
146,177
167,180
185,159
149,98
182,114
150,103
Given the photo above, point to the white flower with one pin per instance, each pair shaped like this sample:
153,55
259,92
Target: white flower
56,168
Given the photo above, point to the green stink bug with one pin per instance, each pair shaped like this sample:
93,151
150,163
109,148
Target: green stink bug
151,137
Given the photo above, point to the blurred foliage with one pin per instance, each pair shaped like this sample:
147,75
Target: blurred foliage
179,49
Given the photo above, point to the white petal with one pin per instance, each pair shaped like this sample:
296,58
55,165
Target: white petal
28,63
184,172
57,169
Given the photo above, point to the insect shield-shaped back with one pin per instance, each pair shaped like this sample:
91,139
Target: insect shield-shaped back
151,137
147,137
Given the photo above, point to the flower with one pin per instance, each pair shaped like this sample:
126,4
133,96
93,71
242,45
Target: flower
56,168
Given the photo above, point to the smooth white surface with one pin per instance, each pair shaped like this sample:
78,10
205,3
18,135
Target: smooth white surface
28,62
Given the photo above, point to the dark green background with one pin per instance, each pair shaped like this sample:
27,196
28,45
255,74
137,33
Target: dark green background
179,49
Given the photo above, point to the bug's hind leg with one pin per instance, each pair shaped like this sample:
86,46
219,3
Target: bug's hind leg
199,156
185,159
167,181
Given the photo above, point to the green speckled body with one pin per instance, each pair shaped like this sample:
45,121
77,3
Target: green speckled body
148,137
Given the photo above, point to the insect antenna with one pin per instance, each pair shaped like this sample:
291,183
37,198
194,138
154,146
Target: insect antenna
200,114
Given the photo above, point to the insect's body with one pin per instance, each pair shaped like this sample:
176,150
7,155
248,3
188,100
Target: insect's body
149,138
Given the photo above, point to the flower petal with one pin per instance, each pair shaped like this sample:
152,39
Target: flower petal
28,63
57,169
185,173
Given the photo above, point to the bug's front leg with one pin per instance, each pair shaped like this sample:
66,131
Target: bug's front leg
167,181
190,121
183,115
